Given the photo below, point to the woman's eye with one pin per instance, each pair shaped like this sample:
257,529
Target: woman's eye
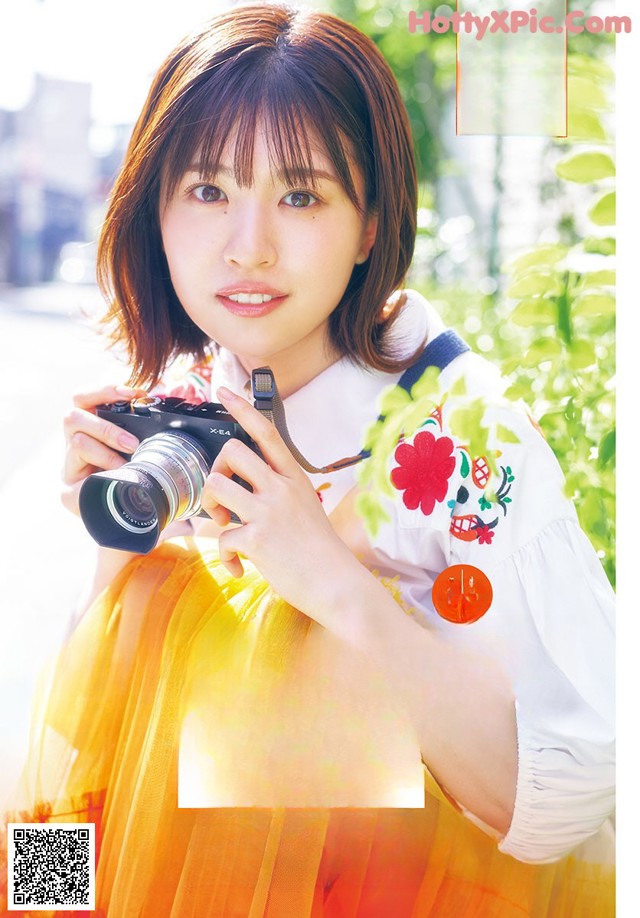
208,194
300,199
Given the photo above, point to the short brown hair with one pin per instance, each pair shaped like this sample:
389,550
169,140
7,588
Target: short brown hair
292,68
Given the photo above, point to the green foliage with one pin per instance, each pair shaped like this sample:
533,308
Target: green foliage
552,329
568,324
424,66
552,332
586,167
588,100
603,212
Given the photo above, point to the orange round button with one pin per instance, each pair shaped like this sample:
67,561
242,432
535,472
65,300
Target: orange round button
461,594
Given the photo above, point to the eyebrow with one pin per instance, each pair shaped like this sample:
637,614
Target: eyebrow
303,173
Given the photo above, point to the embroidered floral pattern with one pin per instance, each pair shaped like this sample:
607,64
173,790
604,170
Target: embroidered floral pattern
423,471
485,535
480,472
478,526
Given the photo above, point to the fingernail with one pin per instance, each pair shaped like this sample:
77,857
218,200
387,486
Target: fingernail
127,440
227,394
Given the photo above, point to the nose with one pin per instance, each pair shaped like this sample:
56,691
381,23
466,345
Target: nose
251,241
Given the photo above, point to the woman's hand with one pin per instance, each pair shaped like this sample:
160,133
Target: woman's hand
469,747
284,532
93,444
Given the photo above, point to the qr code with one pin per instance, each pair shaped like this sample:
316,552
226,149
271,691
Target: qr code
51,865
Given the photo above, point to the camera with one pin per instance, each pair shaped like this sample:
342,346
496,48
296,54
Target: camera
163,479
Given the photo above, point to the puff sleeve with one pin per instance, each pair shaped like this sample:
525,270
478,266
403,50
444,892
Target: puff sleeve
562,677
550,626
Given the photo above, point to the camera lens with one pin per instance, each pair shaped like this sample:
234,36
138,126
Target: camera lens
131,506
125,509
128,508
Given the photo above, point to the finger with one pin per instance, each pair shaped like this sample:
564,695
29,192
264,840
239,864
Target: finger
219,490
265,434
228,552
89,400
220,515
69,498
86,455
81,421
236,458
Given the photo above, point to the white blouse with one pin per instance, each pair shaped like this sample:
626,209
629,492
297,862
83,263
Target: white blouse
550,624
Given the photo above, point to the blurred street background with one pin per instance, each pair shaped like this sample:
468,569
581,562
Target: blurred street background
72,81
49,350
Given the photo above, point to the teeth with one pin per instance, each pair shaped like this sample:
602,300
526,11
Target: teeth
254,298
462,523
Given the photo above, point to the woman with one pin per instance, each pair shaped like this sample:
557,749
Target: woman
249,713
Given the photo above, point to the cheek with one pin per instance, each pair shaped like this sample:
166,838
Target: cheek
333,252
170,242
179,237
183,256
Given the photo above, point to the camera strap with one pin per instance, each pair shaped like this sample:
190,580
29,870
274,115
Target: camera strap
438,353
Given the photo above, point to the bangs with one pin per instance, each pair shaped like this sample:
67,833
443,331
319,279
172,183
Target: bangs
244,95
326,99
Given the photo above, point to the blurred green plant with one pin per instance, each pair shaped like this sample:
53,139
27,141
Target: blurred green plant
552,332
561,302
424,66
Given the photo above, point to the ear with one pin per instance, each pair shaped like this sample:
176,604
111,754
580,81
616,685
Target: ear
368,238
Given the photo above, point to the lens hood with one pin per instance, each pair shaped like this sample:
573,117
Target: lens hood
99,512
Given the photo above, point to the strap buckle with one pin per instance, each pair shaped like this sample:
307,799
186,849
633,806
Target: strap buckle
263,387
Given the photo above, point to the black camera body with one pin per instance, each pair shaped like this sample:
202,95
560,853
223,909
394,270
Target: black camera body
163,479
208,422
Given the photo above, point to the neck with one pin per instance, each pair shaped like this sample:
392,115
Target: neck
292,371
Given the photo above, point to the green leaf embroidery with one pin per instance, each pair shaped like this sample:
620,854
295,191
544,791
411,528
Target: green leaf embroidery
464,466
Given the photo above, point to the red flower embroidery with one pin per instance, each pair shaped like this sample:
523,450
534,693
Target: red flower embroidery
424,470
485,535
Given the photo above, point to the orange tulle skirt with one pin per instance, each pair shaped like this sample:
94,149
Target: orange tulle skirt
238,761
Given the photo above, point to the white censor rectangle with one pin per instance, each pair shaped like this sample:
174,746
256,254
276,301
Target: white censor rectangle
511,55
514,80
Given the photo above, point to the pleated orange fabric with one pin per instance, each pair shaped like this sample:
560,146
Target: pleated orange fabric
115,730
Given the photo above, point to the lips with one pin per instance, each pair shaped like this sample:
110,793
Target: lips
250,299
250,309
249,287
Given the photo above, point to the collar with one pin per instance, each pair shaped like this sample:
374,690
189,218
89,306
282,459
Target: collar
328,416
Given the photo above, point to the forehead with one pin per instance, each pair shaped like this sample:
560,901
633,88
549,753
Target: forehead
284,142
265,160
